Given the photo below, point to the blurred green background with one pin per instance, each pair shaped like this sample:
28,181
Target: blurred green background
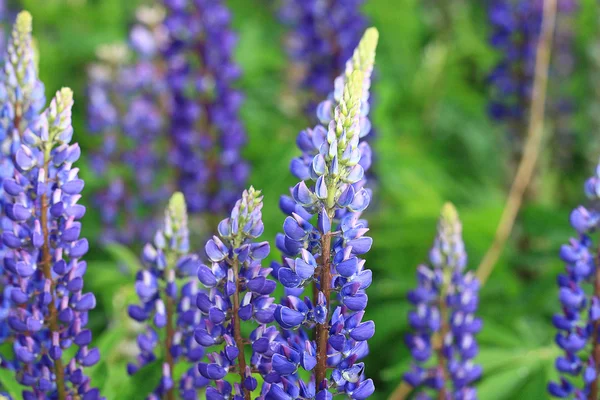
435,143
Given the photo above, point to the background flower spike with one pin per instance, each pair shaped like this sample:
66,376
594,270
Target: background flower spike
443,319
167,291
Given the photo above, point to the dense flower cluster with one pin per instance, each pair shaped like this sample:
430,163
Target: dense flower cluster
323,35
516,27
206,132
43,244
127,104
578,323
238,291
167,112
444,319
326,256
168,308
22,98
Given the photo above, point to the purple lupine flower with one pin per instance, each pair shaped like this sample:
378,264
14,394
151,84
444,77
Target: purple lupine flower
128,108
44,250
577,324
206,132
516,27
326,256
238,291
323,35
443,320
167,292
22,97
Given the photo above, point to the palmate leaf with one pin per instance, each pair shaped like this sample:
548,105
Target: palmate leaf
510,373
515,361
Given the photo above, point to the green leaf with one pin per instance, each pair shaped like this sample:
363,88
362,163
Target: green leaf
125,256
504,385
9,383
144,381
108,345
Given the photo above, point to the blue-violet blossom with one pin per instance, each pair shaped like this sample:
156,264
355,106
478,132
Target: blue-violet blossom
516,26
43,244
238,291
579,322
22,98
206,133
326,256
128,107
322,37
443,320
167,292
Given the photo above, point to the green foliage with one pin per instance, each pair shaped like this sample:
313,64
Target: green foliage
434,143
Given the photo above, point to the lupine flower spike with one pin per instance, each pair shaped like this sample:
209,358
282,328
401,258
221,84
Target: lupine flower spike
322,37
238,291
443,319
326,256
579,322
516,28
167,292
22,99
44,249
127,108
206,131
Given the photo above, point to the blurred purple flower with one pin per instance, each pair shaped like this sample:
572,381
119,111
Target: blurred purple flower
167,293
443,319
577,324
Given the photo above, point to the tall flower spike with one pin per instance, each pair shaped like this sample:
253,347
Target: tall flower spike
326,256
206,131
323,35
167,292
128,105
21,95
578,324
22,98
238,291
44,255
443,319
516,28
177,111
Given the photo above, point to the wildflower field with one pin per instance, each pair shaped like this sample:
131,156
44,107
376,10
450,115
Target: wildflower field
299,199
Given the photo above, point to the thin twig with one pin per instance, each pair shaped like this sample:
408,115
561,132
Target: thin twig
532,145
402,391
